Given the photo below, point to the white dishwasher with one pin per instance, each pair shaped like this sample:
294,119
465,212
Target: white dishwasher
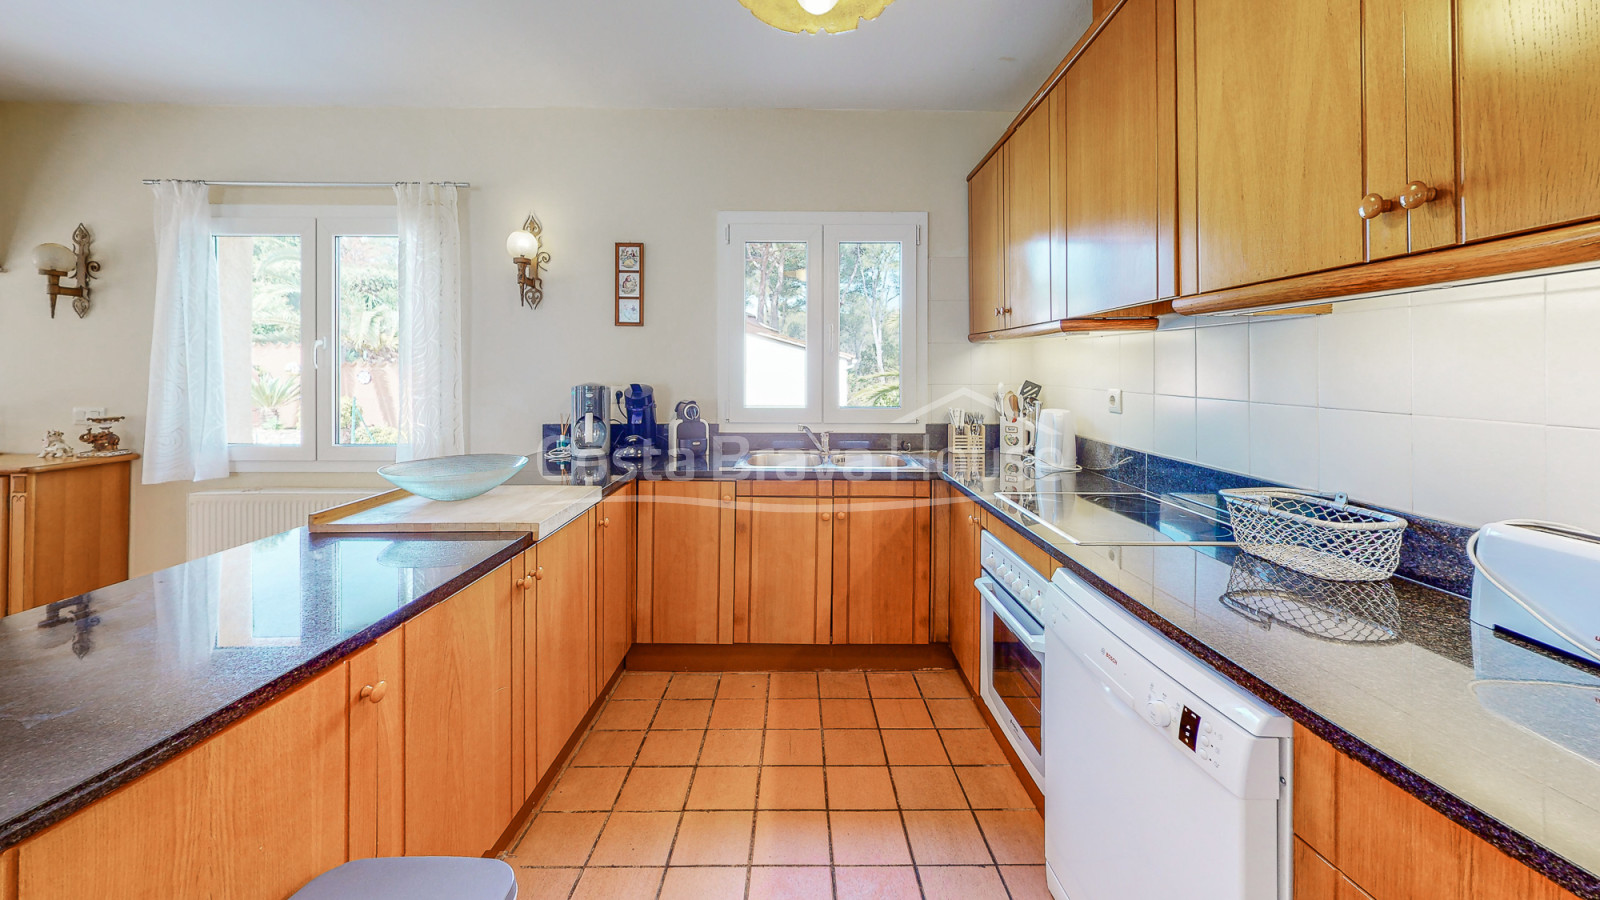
1162,778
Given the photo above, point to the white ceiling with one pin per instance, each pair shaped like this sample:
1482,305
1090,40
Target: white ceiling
627,54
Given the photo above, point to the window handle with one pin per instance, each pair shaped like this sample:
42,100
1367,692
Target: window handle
316,353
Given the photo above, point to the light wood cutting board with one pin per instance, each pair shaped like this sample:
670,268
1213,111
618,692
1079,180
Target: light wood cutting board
536,509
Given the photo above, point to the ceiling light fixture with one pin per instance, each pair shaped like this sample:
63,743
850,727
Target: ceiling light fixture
813,16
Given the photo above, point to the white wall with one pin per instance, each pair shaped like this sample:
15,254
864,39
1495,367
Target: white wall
1469,403
594,177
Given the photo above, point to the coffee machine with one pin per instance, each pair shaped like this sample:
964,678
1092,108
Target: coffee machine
688,435
638,406
591,421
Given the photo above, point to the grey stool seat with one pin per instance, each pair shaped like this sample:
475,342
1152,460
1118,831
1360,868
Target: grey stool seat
414,878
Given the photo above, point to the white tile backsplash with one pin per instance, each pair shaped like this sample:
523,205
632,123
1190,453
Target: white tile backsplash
1283,361
1174,362
1222,434
1483,359
1174,427
1572,363
1572,478
947,321
1283,444
1367,455
1364,360
1137,363
1135,427
1473,471
1222,362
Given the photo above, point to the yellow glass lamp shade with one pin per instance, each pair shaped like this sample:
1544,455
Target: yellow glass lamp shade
54,258
522,245
832,16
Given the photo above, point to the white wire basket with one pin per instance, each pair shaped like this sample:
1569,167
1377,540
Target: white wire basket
1315,535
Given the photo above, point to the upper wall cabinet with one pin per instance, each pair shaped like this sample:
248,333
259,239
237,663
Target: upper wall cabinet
1028,164
986,247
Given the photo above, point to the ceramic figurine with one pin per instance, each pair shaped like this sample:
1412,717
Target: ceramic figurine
55,447
105,442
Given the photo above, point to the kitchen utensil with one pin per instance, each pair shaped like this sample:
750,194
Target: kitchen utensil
1536,580
453,477
1321,537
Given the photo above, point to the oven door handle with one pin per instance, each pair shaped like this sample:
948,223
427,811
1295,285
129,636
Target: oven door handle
1034,643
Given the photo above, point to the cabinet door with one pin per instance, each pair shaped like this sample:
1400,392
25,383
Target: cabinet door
881,549
986,247
69,533
783,569
251,814
1112,160
563,639
966,622
1529,98
616,581
686,562
458,721
1027,218
377,749
1278,138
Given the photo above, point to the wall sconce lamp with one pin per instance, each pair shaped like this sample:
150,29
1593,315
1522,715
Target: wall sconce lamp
523,246
57,262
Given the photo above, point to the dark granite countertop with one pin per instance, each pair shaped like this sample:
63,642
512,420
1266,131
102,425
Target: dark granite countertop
1502,738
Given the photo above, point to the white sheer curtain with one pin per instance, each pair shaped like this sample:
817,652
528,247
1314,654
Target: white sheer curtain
186,435
430,322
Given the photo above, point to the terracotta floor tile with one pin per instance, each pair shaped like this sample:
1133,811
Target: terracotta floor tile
793,748
545,884
625,715
892,684
608,748
860,787
670,748
1015,835
654,789
960,882
742,686
842,684
635,838
703,884
877,883
728,713
717,787
609,884
681,714
791,787
942,683
973,747
914,747
810,883
692,686
641,686
713,839
582,790
868,839
793,685
791,838
557,839
928,787
1025,882
848,713
731,748
946,838
794,713
993,787
955,713
852,747
894,713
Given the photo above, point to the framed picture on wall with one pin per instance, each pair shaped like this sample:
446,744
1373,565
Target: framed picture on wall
630,284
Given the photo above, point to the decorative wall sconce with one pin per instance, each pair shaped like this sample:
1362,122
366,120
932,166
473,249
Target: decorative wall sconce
57,262
524,249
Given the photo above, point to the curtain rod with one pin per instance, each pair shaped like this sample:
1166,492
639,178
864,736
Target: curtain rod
313,184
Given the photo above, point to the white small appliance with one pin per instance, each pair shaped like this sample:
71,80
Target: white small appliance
1013,648
1163,778
1538,580
1056,445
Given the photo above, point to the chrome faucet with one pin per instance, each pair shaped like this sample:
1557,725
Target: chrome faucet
820,443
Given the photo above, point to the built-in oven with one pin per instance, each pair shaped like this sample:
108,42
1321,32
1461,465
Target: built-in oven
1013,648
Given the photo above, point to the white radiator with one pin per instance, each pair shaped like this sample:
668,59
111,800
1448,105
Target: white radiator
219,520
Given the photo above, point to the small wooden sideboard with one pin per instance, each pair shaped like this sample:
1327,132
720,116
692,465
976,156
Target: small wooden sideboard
63,527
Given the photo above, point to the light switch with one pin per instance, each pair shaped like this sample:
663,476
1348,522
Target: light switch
82,414
1114,400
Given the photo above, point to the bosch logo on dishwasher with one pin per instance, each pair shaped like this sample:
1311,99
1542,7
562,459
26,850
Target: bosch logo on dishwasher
1109,656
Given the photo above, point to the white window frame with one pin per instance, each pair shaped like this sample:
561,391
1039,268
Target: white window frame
318,226
823,232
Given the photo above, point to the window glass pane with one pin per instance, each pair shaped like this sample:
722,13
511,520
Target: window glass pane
869,324
367,305
775,323
259,281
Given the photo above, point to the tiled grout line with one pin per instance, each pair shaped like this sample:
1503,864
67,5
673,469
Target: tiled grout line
978,823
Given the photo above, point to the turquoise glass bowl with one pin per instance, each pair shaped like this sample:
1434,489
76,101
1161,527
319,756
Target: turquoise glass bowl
453,477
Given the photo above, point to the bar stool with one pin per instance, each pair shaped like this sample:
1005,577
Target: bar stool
414,878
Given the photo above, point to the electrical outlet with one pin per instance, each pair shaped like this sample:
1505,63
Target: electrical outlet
1114,400
82,414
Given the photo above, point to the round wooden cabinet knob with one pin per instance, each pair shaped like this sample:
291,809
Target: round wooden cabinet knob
375,692
997,312
538,574
1373,206
824,517
606,521
839,516
1416,194
727,498
526,583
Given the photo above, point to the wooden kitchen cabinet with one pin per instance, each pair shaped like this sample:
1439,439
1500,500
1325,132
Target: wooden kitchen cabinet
686,562
65,527
458,721
254,812
376,699
966,604
1027,176
616,572
562,641
882,535
783,563
986,247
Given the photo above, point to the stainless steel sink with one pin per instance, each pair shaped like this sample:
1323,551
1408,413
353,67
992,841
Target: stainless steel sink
863,460
783,459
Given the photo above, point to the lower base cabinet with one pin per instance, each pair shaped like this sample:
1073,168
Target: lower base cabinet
378,748
782,567
561,643
882,556
966,605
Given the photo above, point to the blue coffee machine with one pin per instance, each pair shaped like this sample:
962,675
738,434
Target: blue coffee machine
638,406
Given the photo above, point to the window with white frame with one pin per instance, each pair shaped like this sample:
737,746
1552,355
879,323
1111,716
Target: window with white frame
310,311
820,317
